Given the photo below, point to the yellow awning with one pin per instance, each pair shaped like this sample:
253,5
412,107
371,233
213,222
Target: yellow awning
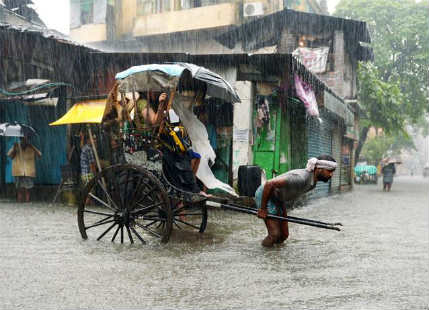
83,113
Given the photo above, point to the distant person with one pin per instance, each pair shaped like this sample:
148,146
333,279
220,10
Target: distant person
276,194
23,156
388,172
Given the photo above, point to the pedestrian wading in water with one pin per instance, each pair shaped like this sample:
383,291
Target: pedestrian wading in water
277,194
388,172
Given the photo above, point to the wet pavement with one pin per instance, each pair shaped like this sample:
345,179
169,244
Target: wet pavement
380,260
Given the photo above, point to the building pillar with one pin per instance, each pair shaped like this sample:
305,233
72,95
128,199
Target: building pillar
242,127
339,62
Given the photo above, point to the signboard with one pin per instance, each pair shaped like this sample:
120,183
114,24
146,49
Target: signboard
314,59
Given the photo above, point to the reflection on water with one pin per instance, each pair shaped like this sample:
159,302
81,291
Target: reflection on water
378,261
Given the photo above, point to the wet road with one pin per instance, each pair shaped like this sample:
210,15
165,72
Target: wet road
379,261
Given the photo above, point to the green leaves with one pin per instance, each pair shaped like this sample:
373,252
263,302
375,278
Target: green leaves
382,102
400,35
393,91
384,145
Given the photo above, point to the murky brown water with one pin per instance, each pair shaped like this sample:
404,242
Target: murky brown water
379,260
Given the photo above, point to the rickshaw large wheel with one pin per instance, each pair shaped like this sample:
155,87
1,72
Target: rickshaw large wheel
190,216
122,202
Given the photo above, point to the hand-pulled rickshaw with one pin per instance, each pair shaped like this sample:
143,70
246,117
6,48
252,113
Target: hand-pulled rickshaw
149,196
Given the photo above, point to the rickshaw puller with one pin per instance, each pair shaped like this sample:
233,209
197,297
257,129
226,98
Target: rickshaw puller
273,196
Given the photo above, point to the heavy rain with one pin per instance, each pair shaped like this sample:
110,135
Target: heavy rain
207,154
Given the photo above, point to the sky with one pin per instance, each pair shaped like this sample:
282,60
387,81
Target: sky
56,13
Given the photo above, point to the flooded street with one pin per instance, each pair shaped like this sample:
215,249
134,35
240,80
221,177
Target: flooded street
378,261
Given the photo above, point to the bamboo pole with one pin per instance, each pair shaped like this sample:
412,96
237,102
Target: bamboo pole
97,160
285,218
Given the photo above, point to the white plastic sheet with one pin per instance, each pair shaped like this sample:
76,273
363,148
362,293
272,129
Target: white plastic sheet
200,144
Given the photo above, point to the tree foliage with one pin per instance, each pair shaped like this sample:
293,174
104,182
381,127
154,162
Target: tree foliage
393,91
400,38
382,102
385,145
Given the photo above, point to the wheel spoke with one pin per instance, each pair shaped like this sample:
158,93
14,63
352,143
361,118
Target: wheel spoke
116,232
150,218
136,190
127,181
107,230
183,222
107,194
99,213
146,194
189,214
138,211
101,201
179,209
103,220
129,234
127,200
117,191
149,230
151,223
137,234
98,224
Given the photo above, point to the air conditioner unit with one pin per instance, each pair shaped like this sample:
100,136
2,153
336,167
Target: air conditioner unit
253,9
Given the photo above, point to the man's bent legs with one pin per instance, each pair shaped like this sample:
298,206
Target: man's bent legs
284,228
274,233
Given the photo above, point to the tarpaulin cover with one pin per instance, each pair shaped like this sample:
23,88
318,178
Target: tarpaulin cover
83,112
305,92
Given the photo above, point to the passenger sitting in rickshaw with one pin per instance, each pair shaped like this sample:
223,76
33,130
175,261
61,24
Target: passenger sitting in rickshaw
147,107
180,162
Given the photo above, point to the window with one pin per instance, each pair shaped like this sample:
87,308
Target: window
147,7
83,12
86,11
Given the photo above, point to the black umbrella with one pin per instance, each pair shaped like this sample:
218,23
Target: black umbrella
217,86
171,75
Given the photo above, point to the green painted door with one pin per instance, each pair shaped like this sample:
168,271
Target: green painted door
271,143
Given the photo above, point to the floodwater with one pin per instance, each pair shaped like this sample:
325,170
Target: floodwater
380,260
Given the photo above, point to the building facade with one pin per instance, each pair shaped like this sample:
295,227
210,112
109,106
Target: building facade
98,21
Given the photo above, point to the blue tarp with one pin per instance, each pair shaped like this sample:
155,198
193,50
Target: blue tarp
51,141
169,69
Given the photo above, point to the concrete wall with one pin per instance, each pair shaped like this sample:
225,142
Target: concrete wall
343,79
206,17
127,16
89,33
205,44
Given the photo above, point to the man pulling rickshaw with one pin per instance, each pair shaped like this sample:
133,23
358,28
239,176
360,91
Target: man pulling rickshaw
148,199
